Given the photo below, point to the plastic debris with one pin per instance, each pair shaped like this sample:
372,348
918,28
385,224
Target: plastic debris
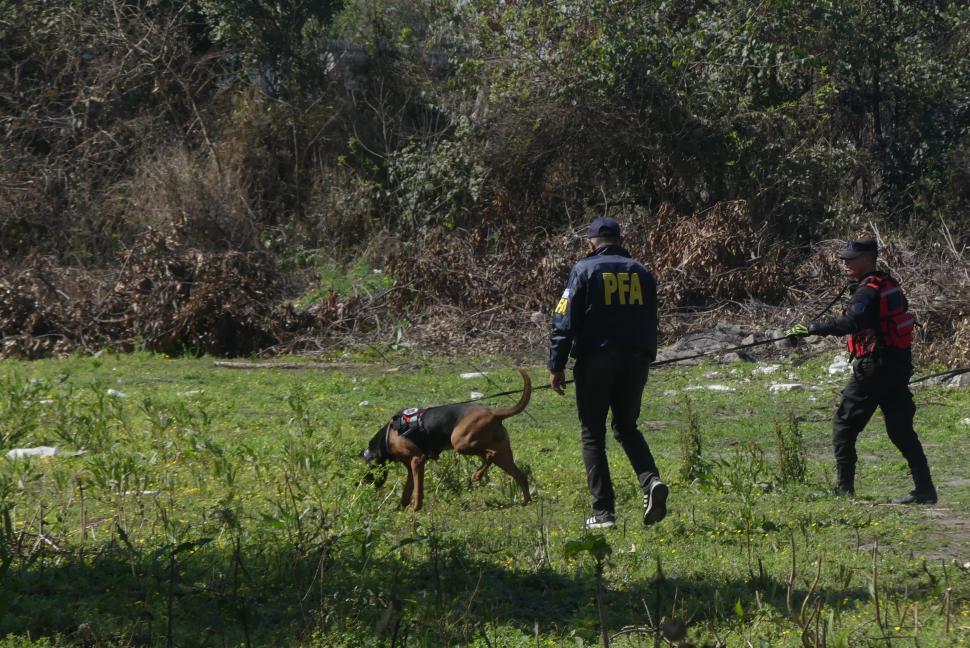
363,403
778,388
114,393
41,451
713,388
766,369
473,374
476,395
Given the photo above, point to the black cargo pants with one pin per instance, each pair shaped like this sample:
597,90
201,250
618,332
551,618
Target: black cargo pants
880,380
612,381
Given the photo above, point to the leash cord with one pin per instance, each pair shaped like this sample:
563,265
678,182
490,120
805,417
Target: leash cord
652,364
950,373
832,303
845,288
673,360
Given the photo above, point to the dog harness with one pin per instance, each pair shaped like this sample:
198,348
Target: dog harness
409,424
895,327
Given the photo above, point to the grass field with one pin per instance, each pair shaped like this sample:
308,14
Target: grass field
223,507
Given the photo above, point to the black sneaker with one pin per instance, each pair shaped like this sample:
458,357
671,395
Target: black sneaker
917,497
602,520
655,502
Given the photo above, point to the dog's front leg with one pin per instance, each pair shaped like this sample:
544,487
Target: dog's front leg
417,470
408,487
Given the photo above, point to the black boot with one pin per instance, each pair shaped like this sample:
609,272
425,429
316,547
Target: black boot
846,480
917,496
924,491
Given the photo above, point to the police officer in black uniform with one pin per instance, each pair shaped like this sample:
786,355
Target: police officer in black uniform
607,319
879,326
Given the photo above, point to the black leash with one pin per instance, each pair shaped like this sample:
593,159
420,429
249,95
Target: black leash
845,288
950,374
652,364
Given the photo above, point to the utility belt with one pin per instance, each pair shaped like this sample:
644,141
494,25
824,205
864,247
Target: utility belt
887,355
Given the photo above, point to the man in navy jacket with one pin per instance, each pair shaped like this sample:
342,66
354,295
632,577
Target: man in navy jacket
607,319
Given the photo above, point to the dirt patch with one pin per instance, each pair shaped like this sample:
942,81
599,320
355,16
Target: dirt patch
949,539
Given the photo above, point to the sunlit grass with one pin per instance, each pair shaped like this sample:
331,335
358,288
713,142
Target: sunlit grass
216,506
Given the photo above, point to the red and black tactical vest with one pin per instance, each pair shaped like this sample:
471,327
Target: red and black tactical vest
895,328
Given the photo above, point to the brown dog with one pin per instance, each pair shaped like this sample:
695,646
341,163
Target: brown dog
413,436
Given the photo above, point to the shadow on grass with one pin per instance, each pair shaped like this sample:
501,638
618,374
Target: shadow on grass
264,596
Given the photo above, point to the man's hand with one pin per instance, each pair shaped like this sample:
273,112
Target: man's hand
799,330
556,380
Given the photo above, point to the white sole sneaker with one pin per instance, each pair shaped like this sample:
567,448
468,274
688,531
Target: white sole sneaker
656,508
599,523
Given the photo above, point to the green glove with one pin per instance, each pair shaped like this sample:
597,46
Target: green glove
799,330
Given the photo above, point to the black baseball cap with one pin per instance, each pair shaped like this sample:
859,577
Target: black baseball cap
605,227
854,249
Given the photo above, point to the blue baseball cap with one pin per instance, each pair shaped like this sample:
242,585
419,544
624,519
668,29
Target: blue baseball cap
605,227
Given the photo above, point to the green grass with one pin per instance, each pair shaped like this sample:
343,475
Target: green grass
225,507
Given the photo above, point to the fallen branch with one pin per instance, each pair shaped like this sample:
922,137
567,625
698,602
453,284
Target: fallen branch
287,365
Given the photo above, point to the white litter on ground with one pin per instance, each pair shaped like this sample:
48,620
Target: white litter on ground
766,369
965,421
114,393
713,388
778,388
363,403
475,394
191,392
473,374
41,451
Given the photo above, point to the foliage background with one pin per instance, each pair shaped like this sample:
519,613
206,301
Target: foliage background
438,140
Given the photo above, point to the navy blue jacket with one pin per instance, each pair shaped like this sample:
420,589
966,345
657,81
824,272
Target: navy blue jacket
610,302
862,312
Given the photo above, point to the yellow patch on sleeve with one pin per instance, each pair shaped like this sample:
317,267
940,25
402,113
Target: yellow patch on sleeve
562,306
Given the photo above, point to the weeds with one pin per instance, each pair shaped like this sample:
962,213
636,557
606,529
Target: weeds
693,467
792,465
18,408
245,524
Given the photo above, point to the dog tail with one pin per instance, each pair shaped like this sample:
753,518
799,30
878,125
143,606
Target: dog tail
523,400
